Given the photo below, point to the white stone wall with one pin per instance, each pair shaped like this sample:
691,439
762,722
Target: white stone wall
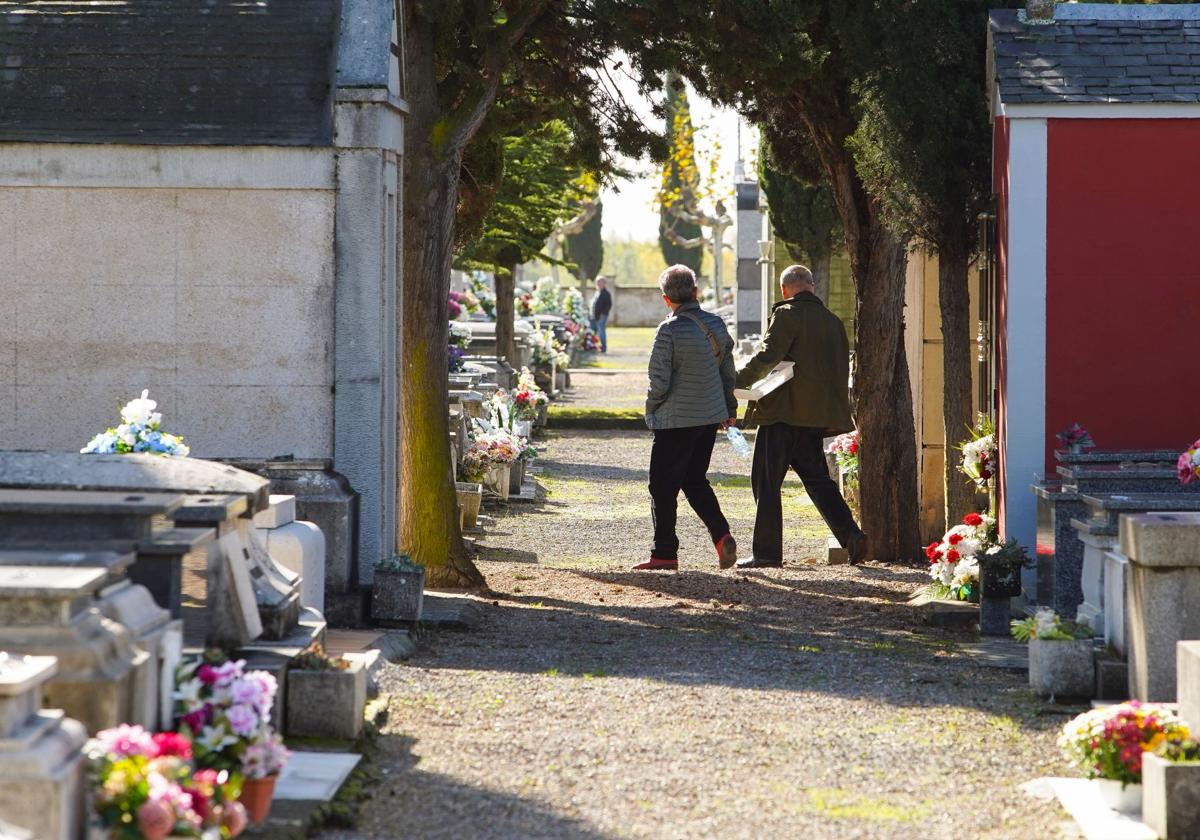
205,275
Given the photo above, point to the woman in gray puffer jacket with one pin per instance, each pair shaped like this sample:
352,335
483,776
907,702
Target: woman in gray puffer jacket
690,396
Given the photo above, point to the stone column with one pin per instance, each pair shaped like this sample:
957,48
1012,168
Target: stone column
1162,599
749,282
41,759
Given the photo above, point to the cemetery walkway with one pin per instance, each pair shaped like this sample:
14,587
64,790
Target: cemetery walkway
595,702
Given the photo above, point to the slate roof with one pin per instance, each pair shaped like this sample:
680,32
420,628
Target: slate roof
1097,53
168,71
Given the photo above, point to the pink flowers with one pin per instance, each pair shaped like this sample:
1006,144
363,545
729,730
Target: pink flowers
125,740
172,744
1188,464
227,711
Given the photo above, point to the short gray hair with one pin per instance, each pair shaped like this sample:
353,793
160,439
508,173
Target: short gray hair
796,275
678,283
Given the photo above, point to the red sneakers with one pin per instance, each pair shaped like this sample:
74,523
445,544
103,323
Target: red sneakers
726,551
658,564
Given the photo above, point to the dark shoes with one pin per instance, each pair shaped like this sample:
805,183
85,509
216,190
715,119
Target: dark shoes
726,551
658,564
758,563
857,548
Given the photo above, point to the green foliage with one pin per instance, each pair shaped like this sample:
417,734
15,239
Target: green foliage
800,206
539,185
584,251
680,179
397,563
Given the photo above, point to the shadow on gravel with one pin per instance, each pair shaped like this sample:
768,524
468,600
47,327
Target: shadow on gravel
848,639
461,810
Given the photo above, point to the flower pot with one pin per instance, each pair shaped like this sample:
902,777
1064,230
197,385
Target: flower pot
470,496
1076,449
524,428
1171,797
1125,799
497,480
560,380
398,596
543,417
256,797
1062,668
327,704
543,375
999,579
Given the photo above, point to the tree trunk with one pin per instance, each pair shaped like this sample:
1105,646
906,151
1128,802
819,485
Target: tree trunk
506,314
820,271
429,529
882,394
954,300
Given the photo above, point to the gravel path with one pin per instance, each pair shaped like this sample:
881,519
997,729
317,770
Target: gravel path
595,702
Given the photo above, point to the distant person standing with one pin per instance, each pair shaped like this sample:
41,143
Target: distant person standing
601,306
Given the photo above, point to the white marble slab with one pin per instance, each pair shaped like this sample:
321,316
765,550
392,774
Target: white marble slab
314,776
1096,821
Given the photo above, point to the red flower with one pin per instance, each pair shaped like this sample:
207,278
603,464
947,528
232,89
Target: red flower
199,802
955,539
952,556
172,743
207,674
973,519
931,550
854,447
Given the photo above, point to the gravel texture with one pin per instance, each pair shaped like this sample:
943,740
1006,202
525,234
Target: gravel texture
593,701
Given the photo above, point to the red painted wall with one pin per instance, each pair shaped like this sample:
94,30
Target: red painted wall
1000,188
1123,281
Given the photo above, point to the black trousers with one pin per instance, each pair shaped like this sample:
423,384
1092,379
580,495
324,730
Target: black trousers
776,448
679,461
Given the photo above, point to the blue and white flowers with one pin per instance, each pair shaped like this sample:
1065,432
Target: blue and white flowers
140,431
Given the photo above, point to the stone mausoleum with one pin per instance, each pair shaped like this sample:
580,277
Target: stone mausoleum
200,197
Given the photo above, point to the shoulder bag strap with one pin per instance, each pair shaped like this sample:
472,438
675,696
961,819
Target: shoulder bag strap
712,339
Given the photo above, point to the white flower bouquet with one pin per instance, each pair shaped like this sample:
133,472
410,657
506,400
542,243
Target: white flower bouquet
140,430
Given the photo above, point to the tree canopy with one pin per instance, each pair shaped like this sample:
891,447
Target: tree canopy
801,208
539,186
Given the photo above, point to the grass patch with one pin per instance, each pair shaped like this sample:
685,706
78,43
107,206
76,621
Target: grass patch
579,417
848,805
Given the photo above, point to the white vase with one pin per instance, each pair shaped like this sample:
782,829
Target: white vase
1125,799
524,428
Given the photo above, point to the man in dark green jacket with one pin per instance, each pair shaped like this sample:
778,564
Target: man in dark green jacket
795,418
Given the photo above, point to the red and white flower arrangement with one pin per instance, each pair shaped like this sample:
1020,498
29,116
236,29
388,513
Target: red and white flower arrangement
146,787
1076,437
1189,464
954,561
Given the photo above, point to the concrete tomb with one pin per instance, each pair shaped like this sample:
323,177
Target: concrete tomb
1162,598
131,606
1098,533
51,612
41,759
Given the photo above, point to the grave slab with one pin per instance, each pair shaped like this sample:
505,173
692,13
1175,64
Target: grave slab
1096,821
77,517
314,776
1188,674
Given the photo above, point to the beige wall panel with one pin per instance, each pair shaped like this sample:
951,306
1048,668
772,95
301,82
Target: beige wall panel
932,495
64,415
933,310
256,421
76,238
256,238
96,334
255,335
931,396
